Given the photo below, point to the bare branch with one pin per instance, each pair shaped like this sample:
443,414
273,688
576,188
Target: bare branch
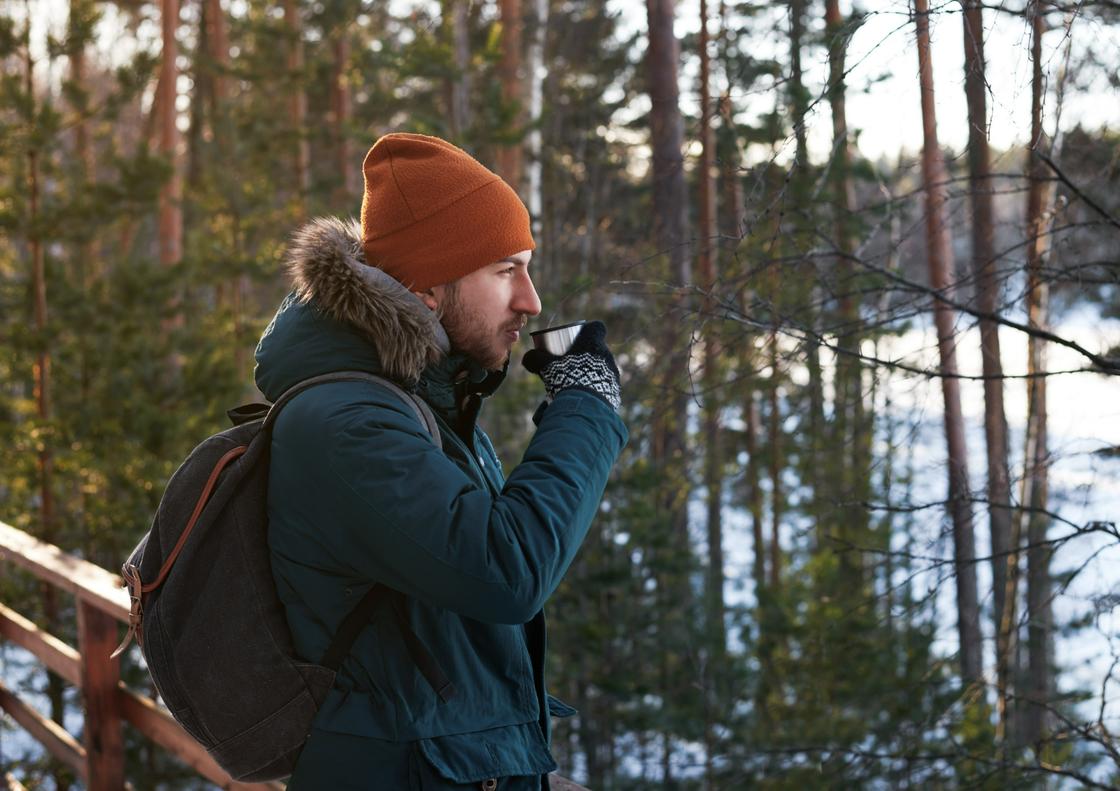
1062,177
1108,365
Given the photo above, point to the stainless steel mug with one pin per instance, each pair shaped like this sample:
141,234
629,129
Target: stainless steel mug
557,340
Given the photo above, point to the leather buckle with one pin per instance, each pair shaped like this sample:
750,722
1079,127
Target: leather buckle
135,587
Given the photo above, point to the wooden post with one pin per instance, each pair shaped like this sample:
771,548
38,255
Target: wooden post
97,636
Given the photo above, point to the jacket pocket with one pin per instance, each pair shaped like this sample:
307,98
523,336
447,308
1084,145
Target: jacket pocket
509,751
558,708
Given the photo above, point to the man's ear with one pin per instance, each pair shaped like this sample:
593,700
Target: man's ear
428,298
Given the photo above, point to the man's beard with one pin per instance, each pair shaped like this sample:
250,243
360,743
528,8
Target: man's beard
471,334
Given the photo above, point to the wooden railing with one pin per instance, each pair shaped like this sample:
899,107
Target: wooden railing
102,606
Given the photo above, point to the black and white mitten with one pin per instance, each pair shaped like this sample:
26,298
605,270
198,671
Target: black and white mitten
587,365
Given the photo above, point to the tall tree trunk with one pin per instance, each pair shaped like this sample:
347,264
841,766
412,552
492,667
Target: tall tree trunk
843,197
822,471
82,146
200,101
754,492
852,430
149,131
881,309
798,107
667,139
1004,552
87,265
670,422
217,50
509,156
940,261
713,457
230,294
297,103
80,20
768,696
536,75
1036,722
217,40
775,465
346,170
713,451
170,197
669,206
731,208
798,97
459,86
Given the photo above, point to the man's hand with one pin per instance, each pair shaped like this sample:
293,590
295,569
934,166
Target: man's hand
587,365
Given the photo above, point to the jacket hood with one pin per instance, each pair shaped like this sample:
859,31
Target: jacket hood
336,294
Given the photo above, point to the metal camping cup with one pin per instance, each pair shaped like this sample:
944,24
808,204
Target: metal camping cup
557,340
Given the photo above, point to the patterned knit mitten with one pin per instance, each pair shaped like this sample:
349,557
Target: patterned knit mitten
587,365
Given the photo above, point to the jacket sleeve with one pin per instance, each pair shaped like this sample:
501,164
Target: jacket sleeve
391,508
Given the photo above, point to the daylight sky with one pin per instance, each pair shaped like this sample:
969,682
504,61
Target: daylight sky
883,100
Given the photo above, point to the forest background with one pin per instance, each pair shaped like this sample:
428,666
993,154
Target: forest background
865,530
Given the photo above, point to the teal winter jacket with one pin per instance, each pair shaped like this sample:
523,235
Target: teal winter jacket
359,494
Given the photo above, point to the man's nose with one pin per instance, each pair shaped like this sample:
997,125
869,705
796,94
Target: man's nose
525,299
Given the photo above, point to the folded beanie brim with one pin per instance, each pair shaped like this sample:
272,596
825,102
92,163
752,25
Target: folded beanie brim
479,229
432,214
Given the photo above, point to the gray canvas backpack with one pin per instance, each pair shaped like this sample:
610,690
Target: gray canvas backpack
205,609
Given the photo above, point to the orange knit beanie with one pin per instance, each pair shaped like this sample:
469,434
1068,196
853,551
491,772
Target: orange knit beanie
431,213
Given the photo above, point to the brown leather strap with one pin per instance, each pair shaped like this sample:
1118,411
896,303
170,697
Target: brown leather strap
131,574
202,500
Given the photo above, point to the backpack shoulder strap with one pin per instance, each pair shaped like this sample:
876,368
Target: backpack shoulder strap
419,406
358,617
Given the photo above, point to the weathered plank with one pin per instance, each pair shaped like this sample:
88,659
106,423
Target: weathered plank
97,636
157,724
52,652
50,734
86,581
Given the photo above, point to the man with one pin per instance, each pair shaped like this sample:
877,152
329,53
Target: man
432,291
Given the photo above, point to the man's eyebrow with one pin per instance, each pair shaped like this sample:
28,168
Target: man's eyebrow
513,261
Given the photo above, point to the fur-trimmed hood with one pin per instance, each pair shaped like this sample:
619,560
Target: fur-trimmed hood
328,270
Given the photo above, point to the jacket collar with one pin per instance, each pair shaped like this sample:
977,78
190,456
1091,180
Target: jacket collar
328,268
453,383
